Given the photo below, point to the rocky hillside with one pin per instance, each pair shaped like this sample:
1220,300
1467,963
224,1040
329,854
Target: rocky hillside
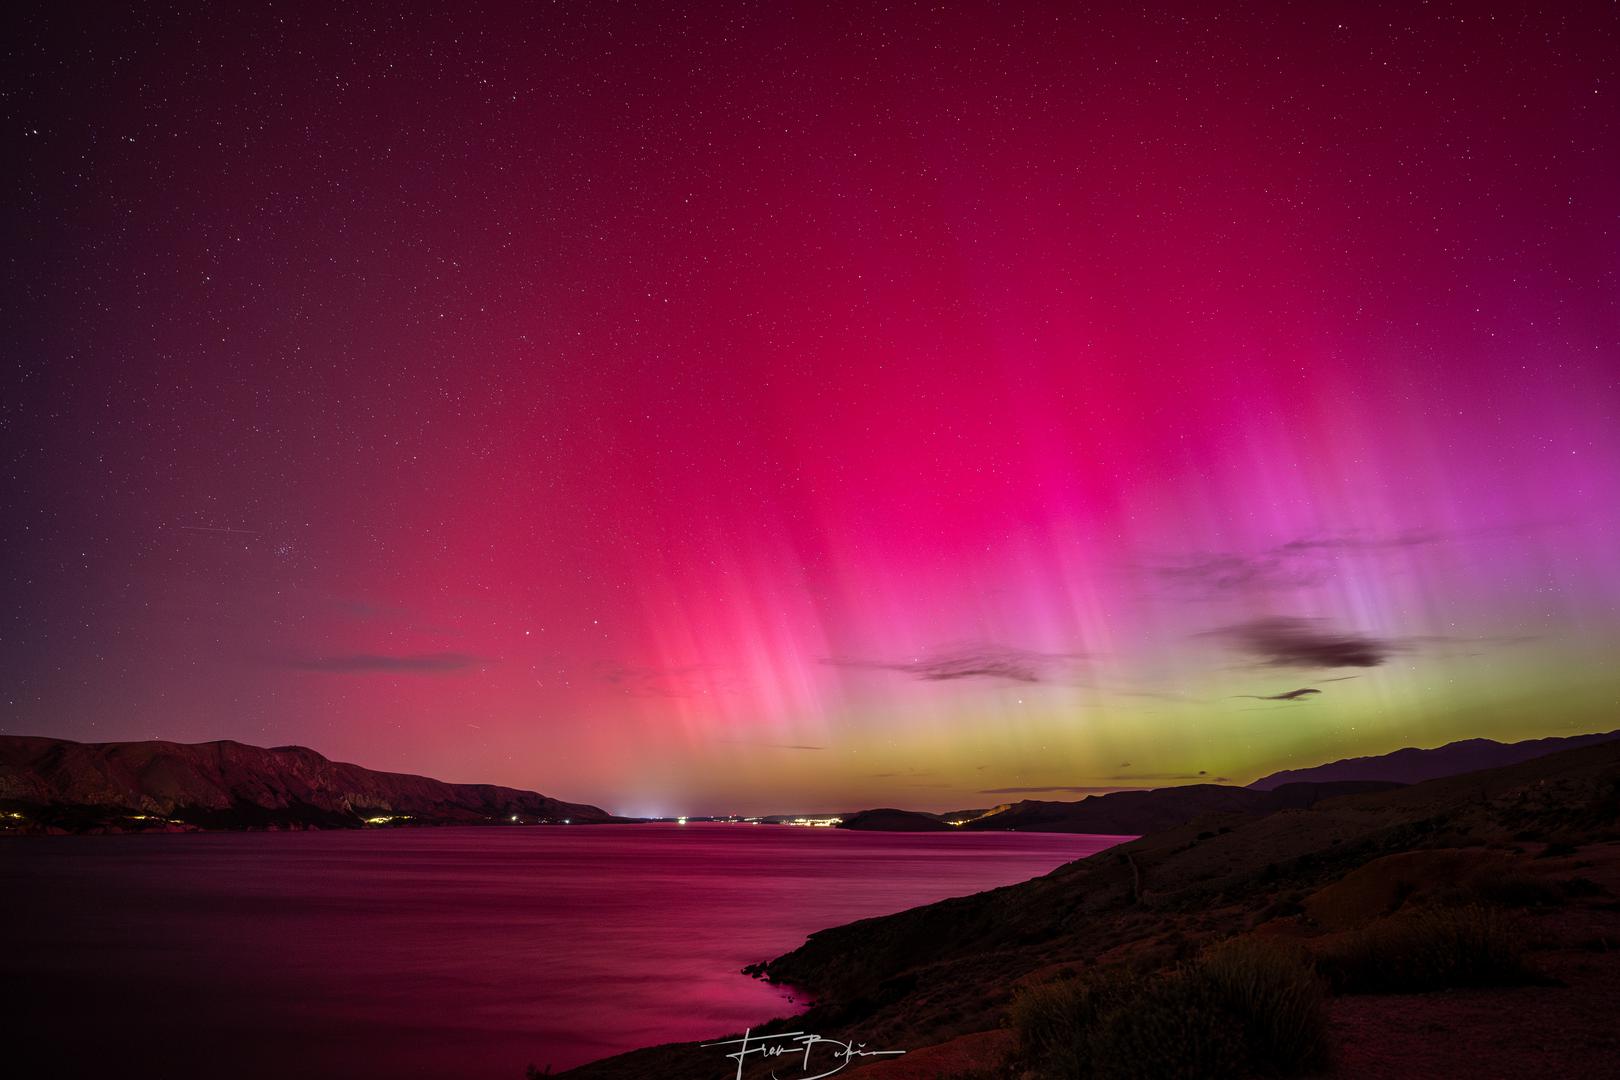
1413,766
58,785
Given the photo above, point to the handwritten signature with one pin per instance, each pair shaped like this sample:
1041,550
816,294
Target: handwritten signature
795,1043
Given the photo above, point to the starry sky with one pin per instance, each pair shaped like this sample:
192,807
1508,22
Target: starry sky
702,408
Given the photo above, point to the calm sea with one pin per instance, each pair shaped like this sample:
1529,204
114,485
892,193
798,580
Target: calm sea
464,953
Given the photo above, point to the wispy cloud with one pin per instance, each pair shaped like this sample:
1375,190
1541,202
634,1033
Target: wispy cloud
997,663
1304,693
1454,646
1360,542
1286,641
680,681
1219,573
437,663
1300,563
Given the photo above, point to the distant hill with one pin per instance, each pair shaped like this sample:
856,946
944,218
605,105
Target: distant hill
888,819
1132,813
58,785
1413,766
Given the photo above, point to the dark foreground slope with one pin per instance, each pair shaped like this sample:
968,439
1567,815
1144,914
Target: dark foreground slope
1540,839
55,784
1413,766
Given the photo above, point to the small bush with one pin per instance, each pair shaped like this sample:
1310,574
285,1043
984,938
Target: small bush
1272,986
1177,1028
1582,886
1056,1023
1247,1007
1430,950
1050,1022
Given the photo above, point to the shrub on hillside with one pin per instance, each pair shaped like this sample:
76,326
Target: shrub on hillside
1430,950
1274,988
1247,1007
1178,1027
1519,889
1057,1022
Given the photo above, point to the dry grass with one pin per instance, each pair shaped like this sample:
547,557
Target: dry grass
1434,949
1246,1007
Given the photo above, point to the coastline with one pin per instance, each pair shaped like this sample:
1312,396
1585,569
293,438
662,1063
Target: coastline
1538,839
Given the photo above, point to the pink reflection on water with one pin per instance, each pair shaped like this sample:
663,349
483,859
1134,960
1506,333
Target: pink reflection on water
444,953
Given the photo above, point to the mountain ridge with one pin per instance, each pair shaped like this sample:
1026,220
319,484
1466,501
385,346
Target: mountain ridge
1415,765
59,785
1132,813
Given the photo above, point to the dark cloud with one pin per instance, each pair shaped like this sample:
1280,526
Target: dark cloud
1302,694
1297,564
1227,573
418,663
1285,641
979,661
1356,542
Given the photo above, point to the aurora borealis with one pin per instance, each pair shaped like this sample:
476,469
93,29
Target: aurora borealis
712,408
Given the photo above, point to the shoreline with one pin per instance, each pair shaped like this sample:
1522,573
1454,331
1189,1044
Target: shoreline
1537,842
